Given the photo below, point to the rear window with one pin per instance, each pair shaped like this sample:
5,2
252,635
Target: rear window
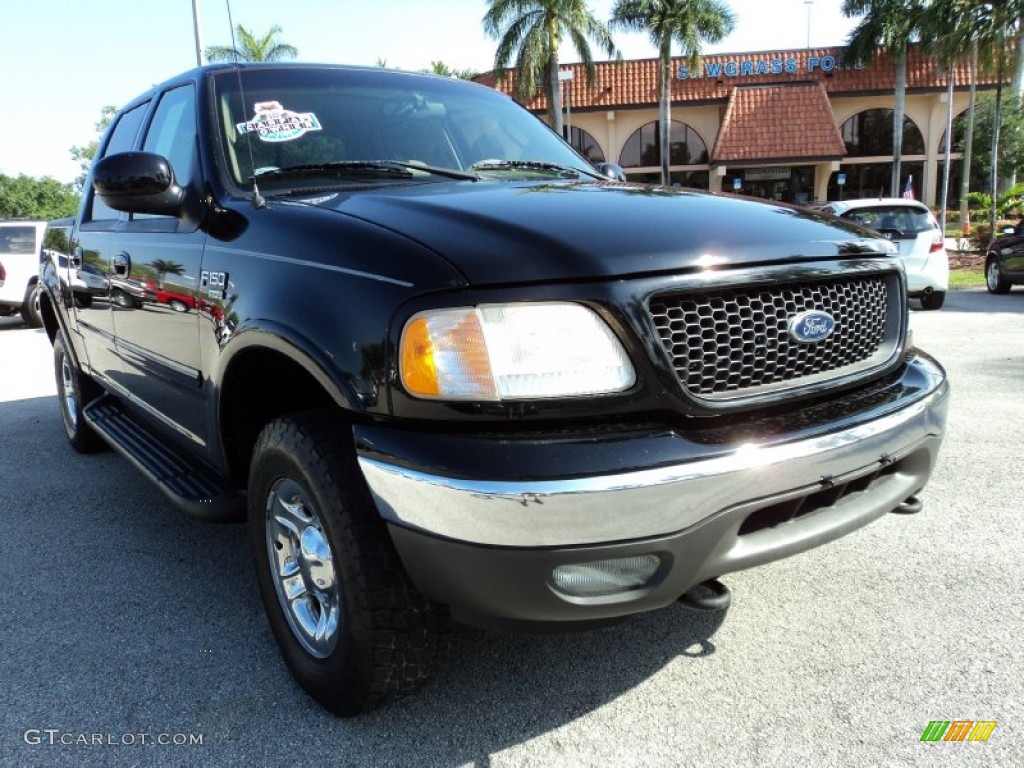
905,219
18,239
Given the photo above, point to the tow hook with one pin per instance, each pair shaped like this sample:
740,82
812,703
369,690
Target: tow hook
710,595
910,506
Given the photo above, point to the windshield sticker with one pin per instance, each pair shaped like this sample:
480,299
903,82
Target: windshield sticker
273,123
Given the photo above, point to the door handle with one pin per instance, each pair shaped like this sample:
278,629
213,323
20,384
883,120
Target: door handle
122,264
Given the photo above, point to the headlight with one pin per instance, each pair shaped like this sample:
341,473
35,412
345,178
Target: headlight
511,352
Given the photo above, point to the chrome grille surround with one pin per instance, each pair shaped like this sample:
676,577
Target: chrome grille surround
729,342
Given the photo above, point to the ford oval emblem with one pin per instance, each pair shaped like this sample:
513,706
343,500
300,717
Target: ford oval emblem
812,326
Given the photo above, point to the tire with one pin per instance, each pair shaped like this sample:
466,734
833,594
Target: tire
124,300
179,306
30,311
74,390
994,280
933,300
353,630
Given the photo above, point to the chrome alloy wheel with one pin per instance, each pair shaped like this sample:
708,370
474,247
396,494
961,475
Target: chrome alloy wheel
302,568
992,275
67,390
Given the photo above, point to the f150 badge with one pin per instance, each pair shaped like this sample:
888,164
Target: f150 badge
812,326
214,284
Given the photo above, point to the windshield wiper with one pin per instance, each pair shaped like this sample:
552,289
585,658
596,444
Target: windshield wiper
526,165
376,169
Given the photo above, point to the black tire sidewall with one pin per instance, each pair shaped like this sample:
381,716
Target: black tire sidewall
29,310
80,435
342,681
1001,284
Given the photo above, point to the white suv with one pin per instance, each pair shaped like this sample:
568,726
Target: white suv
913,228
20,243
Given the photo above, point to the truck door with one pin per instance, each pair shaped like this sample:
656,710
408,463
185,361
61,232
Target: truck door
94,243
159,258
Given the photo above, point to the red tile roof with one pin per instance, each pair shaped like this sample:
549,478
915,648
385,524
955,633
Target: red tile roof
635,83
778,123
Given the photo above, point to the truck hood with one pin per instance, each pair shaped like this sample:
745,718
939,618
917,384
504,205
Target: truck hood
506,231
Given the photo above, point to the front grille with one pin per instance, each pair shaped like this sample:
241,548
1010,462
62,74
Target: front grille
735,342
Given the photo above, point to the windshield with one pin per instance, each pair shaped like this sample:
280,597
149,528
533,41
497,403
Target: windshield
294,117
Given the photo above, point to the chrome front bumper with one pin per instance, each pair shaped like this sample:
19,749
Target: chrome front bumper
656,502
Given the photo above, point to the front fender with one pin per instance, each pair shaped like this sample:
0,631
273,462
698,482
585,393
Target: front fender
289,342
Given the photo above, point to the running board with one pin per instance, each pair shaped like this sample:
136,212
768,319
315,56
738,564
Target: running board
191,486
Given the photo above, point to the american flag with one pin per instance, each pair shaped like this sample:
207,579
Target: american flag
908,190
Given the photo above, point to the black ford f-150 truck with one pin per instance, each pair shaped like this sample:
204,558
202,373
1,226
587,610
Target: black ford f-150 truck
445,367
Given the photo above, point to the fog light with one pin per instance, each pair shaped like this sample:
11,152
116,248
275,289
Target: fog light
605,577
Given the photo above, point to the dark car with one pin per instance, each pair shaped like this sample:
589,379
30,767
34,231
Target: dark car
1004,263
445,367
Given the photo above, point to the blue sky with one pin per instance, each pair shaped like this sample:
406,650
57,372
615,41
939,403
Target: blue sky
62,60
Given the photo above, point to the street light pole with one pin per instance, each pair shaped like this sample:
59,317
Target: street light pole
199,38
808,3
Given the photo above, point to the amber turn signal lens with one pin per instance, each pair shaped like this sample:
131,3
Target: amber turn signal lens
419,370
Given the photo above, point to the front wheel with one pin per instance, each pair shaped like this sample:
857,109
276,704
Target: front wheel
74,390
994,280
352,629
933,300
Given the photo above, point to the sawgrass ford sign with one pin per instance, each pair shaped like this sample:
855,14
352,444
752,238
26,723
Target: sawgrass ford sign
763,66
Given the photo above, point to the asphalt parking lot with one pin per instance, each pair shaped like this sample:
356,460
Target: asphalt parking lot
119,617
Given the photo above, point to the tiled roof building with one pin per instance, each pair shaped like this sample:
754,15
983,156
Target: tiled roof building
782,124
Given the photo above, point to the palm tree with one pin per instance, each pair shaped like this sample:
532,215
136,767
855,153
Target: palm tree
1017,85
162,267
984,29
944,34
892,24
440,68
248,47
953,29
529,33
687,22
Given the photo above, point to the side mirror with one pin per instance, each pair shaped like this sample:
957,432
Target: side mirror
138,182
612,171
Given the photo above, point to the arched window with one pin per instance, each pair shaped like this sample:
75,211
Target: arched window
586,145
641,149
869,134
959,134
